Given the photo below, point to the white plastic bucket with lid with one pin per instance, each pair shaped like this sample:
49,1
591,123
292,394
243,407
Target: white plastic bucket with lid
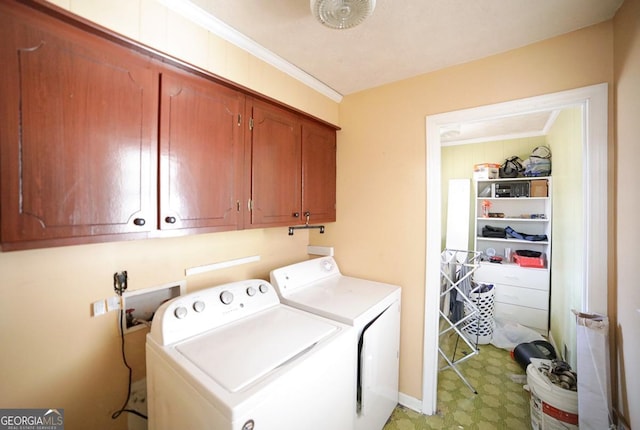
552,407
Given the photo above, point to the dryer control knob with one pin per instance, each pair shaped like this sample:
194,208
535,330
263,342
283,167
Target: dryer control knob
180,312
263,288
327,266
198,306
251,291
226,297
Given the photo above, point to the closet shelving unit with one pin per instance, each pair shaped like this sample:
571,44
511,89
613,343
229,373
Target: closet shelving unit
522,293
456,268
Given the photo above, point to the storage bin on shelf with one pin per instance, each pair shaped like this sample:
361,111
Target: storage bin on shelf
485,171
540,188
480,330
526,261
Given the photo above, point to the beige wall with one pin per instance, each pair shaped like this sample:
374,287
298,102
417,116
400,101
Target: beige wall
380,231
54,354
627,207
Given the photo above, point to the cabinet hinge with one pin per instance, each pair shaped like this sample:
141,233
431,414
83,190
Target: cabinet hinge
250,123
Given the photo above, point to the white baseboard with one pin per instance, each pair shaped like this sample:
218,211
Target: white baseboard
410,402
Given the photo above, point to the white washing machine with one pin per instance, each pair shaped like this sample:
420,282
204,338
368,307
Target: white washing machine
232,357
372,308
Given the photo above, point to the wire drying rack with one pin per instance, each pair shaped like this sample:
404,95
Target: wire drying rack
456,270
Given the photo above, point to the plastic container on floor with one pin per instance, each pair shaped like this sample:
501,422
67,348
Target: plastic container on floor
524,352
480,330
552,407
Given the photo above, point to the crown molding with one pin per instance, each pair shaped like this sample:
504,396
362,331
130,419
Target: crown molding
204,19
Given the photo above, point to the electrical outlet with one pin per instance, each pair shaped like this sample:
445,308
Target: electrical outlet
98,308
113,303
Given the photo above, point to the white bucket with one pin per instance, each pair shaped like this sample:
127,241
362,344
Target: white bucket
552,407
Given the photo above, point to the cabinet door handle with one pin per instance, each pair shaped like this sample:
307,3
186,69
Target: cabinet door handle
170,220
139,221
296,214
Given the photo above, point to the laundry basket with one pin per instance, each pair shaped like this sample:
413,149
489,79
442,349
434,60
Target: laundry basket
479,329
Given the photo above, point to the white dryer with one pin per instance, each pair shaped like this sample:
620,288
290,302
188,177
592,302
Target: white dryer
372,308
233,357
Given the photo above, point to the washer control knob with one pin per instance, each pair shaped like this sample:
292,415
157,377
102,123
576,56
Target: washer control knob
226,297
198,306
263,288
251,291
180,312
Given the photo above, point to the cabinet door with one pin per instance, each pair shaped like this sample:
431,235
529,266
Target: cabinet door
200,154
276,174
318,172
79,126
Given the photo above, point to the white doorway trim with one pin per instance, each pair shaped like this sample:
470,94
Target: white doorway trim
594,102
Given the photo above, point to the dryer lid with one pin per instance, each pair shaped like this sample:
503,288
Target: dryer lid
344,299
237,355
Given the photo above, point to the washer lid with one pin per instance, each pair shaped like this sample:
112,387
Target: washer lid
237,355
343,298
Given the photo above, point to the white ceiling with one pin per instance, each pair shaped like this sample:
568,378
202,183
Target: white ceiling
507,127
403,38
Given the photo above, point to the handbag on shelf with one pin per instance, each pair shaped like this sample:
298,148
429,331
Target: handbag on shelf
497,232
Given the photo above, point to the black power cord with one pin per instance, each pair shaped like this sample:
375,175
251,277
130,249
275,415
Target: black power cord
120,285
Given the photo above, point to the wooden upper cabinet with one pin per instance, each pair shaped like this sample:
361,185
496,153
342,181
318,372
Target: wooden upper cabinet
102,139
201,150
78,135
276,176
318,172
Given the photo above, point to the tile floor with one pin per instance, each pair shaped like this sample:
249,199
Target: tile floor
501,402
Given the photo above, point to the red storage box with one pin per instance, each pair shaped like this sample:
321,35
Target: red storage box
522,261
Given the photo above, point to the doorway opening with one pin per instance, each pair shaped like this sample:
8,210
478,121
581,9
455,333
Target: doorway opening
594,107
